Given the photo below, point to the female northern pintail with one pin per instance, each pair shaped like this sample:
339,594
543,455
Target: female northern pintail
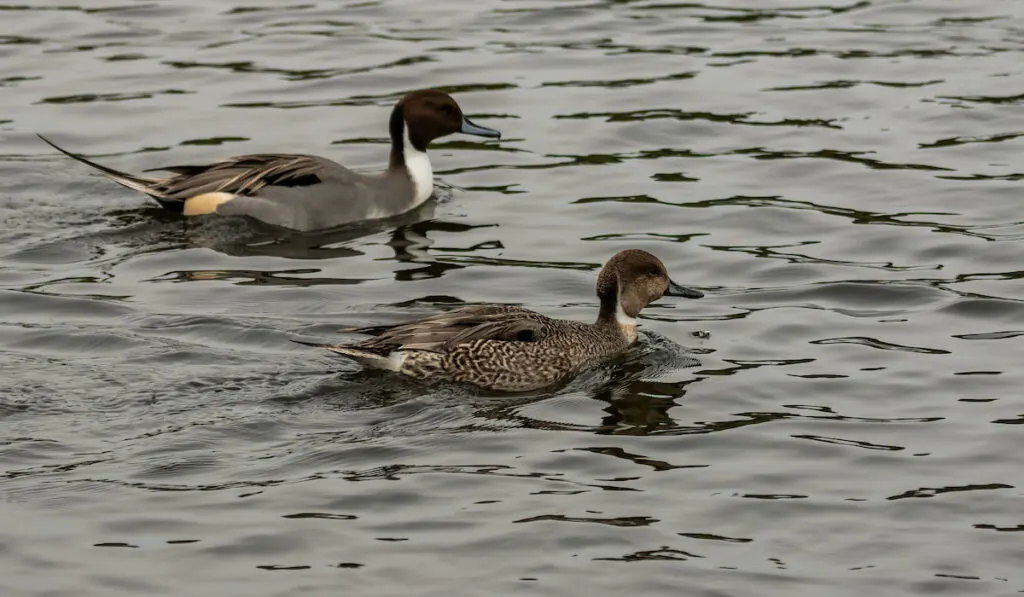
305,192
507,348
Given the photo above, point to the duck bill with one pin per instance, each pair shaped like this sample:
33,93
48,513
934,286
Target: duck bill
481,131
682,291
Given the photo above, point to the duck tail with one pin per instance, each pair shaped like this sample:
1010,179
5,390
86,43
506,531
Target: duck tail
141,184
391,361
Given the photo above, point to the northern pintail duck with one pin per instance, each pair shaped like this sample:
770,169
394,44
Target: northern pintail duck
305,192
508,348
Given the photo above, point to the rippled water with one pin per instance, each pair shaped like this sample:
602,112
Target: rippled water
843,180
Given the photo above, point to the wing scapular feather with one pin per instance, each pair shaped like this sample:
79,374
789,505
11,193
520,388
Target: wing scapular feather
241,175
442,332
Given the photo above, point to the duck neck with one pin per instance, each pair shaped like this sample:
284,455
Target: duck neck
614,317
408,159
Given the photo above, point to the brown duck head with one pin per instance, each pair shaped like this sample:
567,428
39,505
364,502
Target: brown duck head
430,114
631,280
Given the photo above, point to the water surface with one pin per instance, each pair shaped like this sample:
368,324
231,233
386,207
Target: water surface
836,417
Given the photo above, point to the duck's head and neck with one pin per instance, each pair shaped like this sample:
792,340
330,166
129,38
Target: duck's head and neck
416,120
631,280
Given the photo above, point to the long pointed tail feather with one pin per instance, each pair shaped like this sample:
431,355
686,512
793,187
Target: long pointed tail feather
313,344
141,184
372,330
392,361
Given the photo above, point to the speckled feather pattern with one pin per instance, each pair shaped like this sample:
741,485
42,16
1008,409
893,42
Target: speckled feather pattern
508,348
498,347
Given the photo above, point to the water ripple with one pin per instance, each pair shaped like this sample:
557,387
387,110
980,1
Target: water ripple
838,177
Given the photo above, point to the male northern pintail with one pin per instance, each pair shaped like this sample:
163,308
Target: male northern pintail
305,192
507,348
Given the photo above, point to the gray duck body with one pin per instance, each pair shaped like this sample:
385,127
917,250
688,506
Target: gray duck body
509,348
340,197
306,192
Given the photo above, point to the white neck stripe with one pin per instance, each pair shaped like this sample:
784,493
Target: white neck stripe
621,318
417,164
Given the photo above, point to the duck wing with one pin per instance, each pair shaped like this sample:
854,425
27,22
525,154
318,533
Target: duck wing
239,175
441,332
514,329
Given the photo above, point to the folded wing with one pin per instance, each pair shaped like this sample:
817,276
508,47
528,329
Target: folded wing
444,331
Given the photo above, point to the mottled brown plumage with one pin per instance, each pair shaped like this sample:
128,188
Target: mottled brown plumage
508,348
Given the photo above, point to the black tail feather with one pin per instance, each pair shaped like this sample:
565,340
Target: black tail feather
87,162
140,184
373,330
313,344
186,170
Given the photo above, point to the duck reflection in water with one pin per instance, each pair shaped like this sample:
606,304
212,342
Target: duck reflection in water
410,243
638,405
634,401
